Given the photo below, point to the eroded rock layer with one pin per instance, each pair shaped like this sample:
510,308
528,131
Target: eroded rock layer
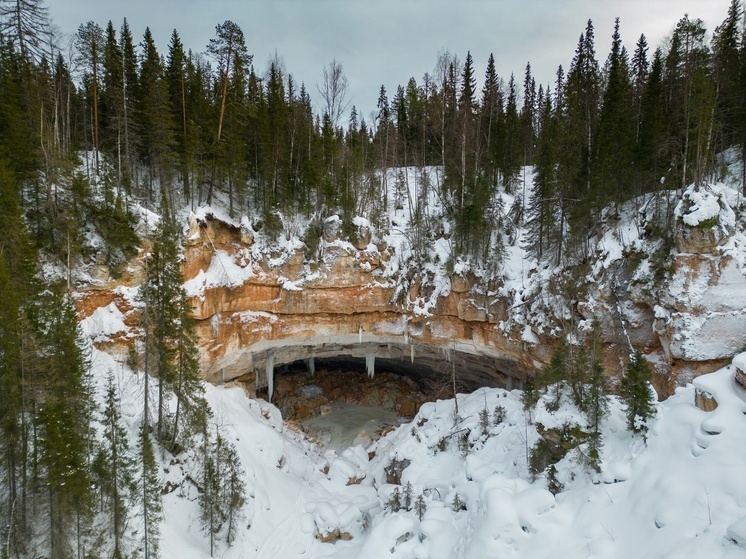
252,310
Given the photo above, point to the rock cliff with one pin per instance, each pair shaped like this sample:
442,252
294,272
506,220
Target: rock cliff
254,307
260,307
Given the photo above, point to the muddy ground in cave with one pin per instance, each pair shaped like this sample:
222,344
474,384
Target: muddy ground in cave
302,395
303,398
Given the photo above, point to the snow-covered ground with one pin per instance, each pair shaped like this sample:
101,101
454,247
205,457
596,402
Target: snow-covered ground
674,495
678,494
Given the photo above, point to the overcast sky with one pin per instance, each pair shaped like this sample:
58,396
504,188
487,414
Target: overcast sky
388,41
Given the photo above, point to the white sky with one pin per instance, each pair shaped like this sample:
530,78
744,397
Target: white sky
388,41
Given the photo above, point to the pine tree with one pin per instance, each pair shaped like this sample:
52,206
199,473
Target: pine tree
635,391
691,104
89,42
227,47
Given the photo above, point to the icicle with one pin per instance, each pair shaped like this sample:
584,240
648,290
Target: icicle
406,329
510,383
270,369
370,364
215,324
411,353
448,354
360,334
311,365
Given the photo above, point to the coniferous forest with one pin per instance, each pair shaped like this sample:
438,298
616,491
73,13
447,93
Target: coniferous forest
88,131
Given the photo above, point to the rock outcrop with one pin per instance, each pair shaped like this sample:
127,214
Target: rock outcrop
259,308
255,308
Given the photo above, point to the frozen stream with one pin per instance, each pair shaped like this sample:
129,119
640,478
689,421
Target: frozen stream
339,429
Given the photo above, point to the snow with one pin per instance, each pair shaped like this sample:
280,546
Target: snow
225,270
678,494
698,205
737,531
103,323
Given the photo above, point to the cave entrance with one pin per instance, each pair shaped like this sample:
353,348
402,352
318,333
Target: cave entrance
338,404
311,377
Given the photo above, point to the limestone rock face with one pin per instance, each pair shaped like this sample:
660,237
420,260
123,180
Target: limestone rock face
694,318
344,304
701,315
256,304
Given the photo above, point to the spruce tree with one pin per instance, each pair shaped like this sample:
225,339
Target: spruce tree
528,117
188,384
63,425
596,397
89,42
580,104
726,43
176,79
117,467
511,155
420,507
554,374
223,490
150,496
490,114
613,150
129,98
650,154
636,392
169,332
154,123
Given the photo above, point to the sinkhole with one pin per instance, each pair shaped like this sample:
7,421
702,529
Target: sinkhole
343,400
360,384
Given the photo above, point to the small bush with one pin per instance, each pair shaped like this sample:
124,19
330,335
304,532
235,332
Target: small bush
499,415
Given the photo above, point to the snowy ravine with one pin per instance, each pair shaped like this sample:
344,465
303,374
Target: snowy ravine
673,496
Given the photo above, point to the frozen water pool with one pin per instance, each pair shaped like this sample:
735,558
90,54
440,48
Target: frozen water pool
338,429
